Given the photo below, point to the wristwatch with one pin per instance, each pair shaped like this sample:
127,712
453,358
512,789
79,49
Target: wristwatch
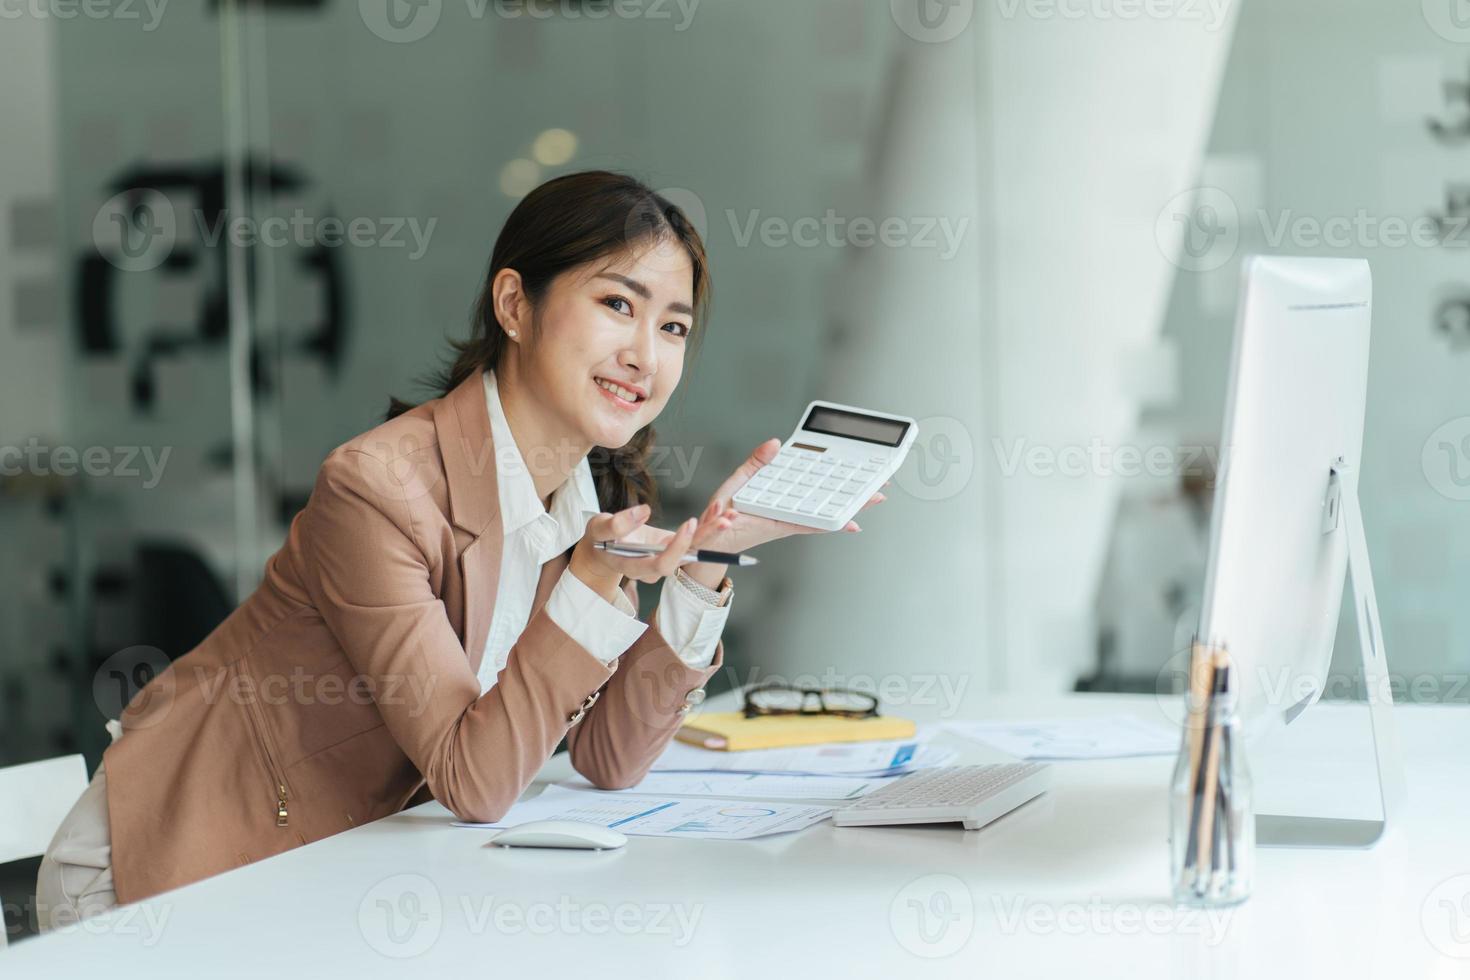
703,592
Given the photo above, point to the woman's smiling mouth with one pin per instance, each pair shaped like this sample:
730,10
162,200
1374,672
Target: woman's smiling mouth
624,397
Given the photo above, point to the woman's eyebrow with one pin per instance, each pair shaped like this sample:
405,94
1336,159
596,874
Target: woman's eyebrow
643,291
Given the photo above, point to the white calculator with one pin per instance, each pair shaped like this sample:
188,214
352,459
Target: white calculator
833,463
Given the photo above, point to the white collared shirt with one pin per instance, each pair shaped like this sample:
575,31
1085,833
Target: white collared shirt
534,535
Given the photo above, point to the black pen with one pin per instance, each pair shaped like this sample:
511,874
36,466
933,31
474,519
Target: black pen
628,550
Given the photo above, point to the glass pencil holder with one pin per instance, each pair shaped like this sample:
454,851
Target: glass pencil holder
1212,827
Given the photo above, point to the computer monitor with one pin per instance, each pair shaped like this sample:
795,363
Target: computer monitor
1286,525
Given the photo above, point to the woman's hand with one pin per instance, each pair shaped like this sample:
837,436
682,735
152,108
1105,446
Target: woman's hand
603,571
745,531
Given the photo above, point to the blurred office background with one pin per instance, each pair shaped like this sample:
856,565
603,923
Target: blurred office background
1021,223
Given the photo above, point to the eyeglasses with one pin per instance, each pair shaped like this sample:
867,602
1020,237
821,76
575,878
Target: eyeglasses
782,699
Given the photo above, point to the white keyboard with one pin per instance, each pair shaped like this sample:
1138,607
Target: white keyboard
829,468
972,795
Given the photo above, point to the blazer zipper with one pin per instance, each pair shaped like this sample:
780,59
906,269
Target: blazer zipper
258,724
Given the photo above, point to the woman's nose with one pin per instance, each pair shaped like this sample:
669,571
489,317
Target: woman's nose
639,354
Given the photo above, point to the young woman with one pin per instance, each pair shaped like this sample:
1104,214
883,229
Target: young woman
438,620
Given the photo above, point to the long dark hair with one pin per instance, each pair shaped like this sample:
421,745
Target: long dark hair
566,222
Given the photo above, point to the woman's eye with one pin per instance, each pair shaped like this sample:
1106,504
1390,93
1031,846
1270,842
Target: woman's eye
612,303
680,329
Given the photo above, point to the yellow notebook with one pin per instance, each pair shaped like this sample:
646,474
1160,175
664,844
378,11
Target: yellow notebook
733,732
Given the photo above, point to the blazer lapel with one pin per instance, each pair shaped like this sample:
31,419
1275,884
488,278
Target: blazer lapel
463,424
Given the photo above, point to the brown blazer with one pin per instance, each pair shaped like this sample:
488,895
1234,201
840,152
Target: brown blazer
346,682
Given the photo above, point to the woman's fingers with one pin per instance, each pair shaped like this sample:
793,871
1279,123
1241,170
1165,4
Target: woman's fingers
877,498
613,527
662,565
717,517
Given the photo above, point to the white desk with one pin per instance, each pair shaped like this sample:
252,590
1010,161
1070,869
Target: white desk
1072,885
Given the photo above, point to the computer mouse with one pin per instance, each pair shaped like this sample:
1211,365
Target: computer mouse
560,833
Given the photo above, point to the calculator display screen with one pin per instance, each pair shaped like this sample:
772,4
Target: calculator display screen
851,425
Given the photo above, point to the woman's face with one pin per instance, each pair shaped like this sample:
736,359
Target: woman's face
610,340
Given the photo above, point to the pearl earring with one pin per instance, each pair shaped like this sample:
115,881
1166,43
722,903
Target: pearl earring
512,333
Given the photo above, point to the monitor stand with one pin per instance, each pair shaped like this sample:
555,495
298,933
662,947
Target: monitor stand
1341,510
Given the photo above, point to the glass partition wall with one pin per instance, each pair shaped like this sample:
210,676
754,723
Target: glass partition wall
234,229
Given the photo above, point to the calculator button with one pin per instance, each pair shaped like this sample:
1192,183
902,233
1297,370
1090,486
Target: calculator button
807,480
810,507
759,483
800,466
842,499
746,496
831,510
844,471
876,459
855,486
805,454
766,499
822,467
831,484
791,503
870,467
